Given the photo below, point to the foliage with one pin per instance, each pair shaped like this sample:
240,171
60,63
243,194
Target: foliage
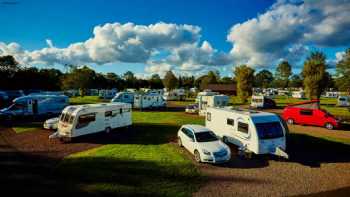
295,81
283,72
245,78
314,74
170,81
263,79
343,72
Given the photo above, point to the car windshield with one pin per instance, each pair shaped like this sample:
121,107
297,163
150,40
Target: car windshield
269,130
206,136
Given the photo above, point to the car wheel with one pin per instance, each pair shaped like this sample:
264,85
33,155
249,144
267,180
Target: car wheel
329,126
290,121
179,142
108,130
197,156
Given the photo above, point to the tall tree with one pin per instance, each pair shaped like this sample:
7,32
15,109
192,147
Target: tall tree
314,74
130,79
282,74
170,81
343,72
155,82
79,78
244,76
263,79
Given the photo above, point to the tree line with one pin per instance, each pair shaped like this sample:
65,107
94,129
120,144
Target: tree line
313,78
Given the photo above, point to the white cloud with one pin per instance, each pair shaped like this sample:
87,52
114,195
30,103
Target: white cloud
287,27
156,67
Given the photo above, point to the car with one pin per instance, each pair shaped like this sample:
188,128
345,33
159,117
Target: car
310,113
203,144
192,109
51,123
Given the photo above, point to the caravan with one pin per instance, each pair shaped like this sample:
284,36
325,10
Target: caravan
205,93
78,120
211,101
174,95
143,101
36,105
252,131
124,97
343,101
260,101
298,94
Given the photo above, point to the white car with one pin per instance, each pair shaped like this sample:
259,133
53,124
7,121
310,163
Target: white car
51,123
203,143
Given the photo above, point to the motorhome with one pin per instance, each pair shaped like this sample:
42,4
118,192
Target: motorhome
79,120
143,101
252,131
174,95
124,97
260,101
211,101
298,94
36,105
343,101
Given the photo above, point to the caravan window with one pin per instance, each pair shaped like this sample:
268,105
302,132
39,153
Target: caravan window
208,116
269,130
85,119
126,110
230,121
114,113
243,127
108,113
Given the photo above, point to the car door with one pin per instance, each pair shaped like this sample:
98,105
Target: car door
306,116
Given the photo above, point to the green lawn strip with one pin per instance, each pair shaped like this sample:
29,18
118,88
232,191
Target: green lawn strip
146,165
27,127
86,100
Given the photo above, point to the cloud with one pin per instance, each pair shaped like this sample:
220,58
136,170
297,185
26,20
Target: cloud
158,67
284,31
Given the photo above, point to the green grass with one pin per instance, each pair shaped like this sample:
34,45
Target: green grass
27,127
86,100
146,164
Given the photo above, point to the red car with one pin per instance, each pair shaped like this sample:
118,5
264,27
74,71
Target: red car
309,113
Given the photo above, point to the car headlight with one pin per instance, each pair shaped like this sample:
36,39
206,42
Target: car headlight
206,152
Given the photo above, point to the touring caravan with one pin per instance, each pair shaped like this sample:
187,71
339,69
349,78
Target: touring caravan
343,101
211,101
298,94
124,97
205,93
143,101
252,131
79,120
173,95
36,105
260,101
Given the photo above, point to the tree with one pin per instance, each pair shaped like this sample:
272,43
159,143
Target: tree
155,82
295,81
226,80
170,81
130,79
79,78
343,72
314,74
245,77
8,64
283,72
263,79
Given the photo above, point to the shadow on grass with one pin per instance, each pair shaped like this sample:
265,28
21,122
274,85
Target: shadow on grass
313,151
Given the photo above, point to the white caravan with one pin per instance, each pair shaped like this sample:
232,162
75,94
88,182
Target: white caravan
78,120
252,131
205,93
212,101
298,94
174,95
343,101
36,105
124,97
143,101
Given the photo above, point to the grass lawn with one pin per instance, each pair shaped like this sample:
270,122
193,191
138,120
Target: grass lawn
147,164
86,100
27,127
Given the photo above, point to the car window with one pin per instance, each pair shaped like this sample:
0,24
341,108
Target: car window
306,112
188,133
243,127
206,136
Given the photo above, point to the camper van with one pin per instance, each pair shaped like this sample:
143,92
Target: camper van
79,120
124,97
343,101
211,101
36,105
144,101
260,101
252,131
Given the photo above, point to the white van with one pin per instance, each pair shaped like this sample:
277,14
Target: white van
78,120
36,105
212,101
343,101
143,101
124,97
252,131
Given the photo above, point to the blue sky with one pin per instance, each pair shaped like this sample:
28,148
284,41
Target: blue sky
29,23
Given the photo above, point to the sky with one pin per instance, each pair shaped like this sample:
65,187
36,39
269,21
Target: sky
189,37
